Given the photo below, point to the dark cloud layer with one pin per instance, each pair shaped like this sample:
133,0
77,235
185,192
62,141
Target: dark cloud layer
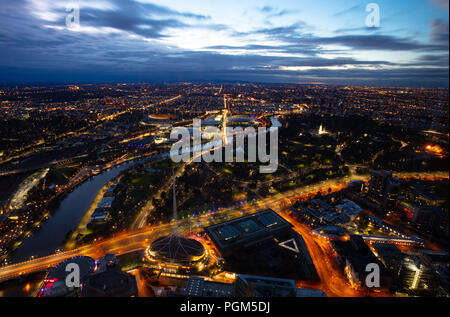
439,31
30,52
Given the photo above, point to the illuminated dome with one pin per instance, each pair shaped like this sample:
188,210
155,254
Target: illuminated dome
176,249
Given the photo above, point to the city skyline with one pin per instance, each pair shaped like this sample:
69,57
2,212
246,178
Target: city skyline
86,174
172,41
233,149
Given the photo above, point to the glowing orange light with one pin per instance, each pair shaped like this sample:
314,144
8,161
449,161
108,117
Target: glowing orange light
434,149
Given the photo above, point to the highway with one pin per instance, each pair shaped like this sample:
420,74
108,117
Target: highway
122,243
137,240
333,282
332,279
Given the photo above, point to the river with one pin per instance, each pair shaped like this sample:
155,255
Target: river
67,217
69,214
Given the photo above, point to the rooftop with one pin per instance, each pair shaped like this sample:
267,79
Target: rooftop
198,286
247,229
111,283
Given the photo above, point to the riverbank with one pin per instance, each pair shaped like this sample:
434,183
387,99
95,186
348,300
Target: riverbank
67,217
82,227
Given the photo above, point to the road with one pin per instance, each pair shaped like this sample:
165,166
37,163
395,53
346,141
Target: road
141,219
332,280
143,214
36,147
139,239
122,243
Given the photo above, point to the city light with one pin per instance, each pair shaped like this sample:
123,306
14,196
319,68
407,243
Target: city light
224,149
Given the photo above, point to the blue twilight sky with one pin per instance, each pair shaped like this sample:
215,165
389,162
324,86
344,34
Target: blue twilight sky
283,41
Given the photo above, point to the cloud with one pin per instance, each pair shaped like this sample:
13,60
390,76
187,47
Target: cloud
432,61
137,66
356,29
377,42
444,4
143,19
439,31
293,34
273,12
127,41
356,8
267,9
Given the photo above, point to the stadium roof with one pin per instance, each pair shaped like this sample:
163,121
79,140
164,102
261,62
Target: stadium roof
176,249
244,231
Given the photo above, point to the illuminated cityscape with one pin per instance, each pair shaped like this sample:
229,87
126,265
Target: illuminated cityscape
357,206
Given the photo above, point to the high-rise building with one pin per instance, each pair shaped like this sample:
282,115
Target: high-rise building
391,193
378,182
384,188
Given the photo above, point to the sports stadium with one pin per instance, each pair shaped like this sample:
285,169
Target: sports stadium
177,252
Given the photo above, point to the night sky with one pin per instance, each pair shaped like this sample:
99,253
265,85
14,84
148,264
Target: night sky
283,41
